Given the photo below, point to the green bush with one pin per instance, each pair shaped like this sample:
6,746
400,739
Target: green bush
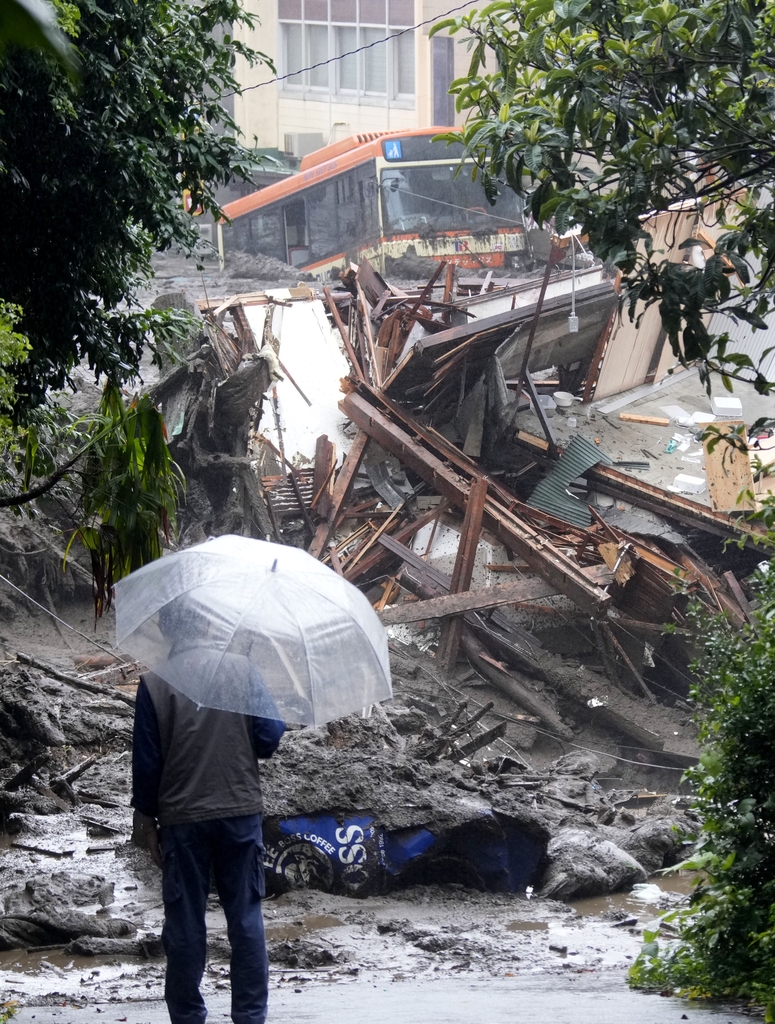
726,936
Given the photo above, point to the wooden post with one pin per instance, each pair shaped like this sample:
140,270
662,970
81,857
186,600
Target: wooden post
452,629
343,331
342,488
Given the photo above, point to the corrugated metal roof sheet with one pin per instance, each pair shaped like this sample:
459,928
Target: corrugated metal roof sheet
552,496
745,340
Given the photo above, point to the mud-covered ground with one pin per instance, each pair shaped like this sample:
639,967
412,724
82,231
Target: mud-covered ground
87,905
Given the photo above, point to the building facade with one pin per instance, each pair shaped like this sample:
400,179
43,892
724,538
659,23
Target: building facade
398,79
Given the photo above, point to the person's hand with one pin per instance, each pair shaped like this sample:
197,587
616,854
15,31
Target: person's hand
145,835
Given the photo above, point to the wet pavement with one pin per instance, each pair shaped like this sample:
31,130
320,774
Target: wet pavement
575,999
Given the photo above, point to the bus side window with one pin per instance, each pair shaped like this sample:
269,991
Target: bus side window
368,228
269,234
256,233
296,239
323,226
347,209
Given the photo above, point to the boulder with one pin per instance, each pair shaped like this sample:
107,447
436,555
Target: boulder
655,843
584,862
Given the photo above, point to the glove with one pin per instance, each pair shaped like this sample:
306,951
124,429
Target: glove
145,836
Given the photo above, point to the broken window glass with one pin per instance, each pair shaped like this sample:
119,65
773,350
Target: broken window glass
260,232
421,198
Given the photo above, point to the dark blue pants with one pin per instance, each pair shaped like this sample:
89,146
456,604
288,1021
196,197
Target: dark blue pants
232,847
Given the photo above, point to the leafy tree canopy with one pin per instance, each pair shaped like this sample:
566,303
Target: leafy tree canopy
93,170
33,24
726,941
604,111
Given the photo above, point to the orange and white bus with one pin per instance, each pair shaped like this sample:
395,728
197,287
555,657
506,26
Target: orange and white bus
375,195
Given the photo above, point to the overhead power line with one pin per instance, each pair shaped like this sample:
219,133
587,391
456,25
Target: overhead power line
360,49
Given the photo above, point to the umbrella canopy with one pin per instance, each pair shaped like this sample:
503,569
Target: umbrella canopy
257,628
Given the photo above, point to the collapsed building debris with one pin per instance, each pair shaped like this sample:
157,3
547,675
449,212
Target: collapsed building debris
429,441
392,440
411,795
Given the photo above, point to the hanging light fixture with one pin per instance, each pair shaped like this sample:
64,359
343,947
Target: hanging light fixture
573,320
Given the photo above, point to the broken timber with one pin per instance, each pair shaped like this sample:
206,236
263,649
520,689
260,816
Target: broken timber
342,488
452,629
539,553
497,596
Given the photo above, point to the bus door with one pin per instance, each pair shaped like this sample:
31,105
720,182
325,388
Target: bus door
296,239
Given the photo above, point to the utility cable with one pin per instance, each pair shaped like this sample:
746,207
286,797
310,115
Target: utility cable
351,53
53,616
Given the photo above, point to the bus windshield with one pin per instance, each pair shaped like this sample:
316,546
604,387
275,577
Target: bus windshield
416,198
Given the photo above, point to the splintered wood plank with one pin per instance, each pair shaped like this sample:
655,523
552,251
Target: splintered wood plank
636,417
343,332
452,630
341,491
498,596
728,469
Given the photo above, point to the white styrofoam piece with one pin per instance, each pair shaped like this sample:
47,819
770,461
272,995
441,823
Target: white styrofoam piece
674,412
310,350
727,407
686,484
699,418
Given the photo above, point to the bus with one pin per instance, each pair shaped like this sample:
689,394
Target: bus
375,195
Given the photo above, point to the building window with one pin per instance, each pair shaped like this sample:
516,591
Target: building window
403,63
374,60
314,31
317,54
347,67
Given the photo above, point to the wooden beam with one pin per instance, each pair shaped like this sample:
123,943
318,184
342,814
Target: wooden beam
637,417
452,630
325,463
401,535
365,310
342,488
531,545
498,596
343,331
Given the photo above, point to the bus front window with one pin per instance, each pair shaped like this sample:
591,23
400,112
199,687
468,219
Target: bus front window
416,198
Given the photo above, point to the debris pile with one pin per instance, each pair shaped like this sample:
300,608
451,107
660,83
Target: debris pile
389,439
360,807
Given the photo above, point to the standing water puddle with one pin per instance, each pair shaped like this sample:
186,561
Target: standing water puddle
649,898
311,923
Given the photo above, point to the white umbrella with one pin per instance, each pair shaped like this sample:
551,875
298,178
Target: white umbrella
257,628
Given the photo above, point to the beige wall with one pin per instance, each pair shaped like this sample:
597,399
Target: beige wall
267,113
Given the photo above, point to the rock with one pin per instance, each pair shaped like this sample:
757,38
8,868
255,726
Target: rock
655,843
584,863
149,947
407,721
578,762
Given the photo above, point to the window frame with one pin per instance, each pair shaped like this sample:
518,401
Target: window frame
300,83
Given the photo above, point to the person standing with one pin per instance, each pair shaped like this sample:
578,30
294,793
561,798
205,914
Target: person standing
198,806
